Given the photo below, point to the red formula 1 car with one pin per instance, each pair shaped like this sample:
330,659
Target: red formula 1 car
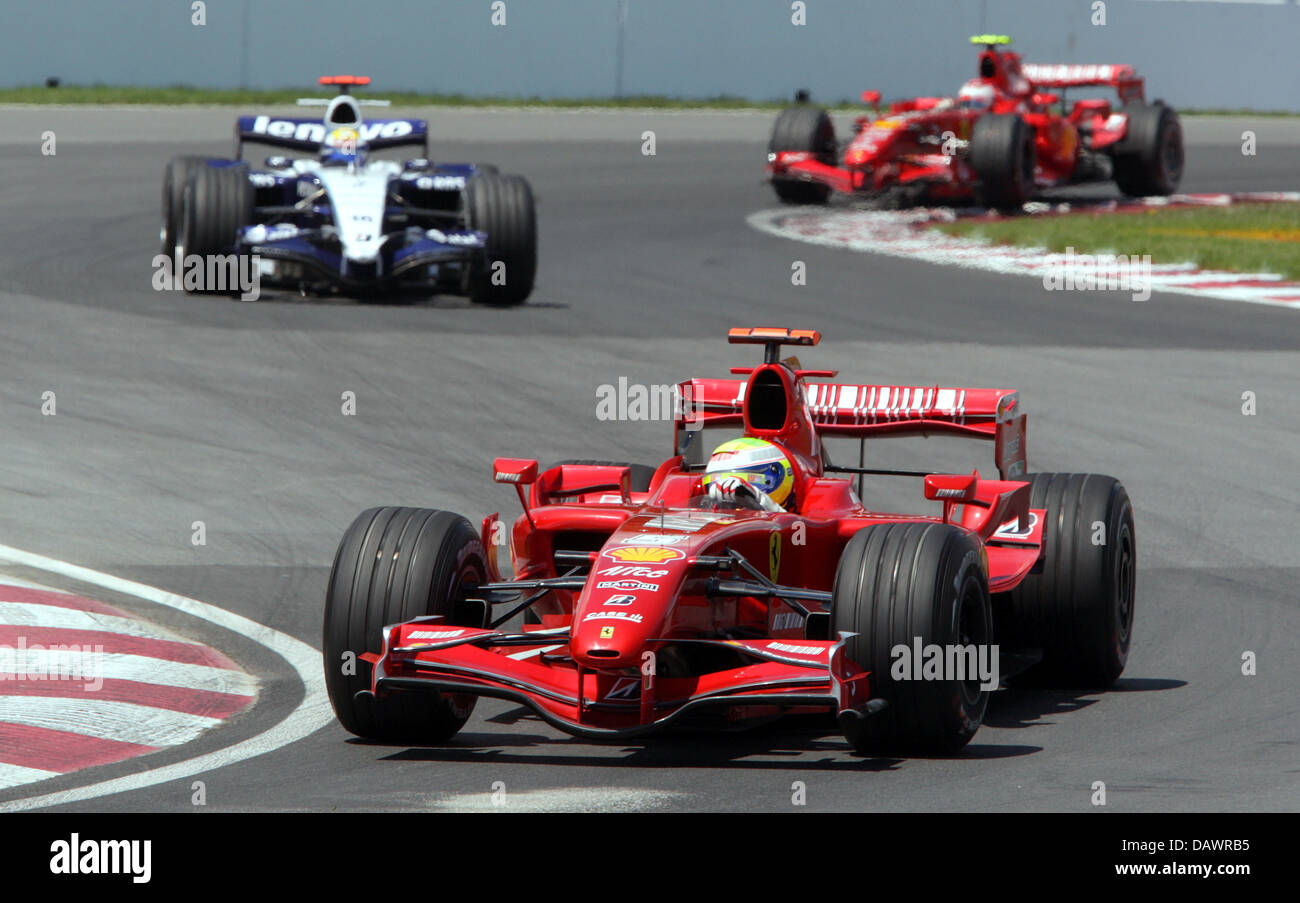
1003,137
651,603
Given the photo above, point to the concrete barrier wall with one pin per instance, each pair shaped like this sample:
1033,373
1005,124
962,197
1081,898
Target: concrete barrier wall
1194,54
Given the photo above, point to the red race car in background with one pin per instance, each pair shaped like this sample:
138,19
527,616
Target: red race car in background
651,603
1003,137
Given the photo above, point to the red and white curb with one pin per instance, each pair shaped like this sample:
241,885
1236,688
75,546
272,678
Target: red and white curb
906,233
85,684
156,692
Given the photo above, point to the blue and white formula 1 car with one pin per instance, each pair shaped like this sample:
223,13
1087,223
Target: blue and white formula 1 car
339,220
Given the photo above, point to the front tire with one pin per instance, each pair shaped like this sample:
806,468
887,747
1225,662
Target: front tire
218,201
1003,157
394,565
1079,608
502,206
176,176
804,129
903,583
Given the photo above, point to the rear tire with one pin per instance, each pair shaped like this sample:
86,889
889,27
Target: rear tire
902,582
1002,155
807,129
1079,608
1149,158
393,565
175,177
502,206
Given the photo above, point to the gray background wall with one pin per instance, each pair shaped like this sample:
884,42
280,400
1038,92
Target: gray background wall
1194,54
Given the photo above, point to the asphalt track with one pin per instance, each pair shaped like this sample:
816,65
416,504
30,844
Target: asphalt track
173,409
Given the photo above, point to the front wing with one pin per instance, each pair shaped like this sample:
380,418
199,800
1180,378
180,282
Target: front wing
943,176
534,669
290,245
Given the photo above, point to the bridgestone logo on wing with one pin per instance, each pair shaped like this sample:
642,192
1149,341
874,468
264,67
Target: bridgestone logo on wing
1012,527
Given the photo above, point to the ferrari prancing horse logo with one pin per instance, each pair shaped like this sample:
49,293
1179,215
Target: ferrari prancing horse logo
774,554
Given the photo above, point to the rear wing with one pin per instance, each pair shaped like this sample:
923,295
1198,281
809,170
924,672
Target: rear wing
308,134
1122,77
861,412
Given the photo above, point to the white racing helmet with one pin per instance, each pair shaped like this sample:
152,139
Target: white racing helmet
976,95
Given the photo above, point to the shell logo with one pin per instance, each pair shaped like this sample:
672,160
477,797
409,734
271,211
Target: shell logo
653,554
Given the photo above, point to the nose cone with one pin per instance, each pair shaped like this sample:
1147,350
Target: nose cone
626,602
610,643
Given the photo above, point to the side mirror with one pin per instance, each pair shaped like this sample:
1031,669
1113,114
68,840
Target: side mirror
871,98
951,487
1045,100
520,471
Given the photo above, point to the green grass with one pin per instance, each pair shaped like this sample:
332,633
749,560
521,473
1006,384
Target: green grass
181,94
1247,238
106,94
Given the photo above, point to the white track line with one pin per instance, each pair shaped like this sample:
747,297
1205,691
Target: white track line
561,799
124,722
122,666
28,584
311,714
1192,278
15,775
891,233
33,614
